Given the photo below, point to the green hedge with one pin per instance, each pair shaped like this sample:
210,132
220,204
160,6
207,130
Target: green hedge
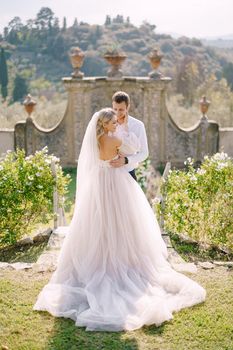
26,192
199,202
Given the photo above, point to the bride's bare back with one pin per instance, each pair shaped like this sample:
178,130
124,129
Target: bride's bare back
108,146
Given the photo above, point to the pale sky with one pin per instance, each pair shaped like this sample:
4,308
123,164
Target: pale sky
193,18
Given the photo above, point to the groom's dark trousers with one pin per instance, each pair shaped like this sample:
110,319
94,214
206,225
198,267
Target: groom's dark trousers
132,173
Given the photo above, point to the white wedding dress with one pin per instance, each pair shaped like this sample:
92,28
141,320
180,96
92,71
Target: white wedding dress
112,271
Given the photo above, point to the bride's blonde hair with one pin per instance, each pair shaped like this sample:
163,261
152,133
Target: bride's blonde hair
105,115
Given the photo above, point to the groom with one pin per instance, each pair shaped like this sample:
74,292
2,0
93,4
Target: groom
121,105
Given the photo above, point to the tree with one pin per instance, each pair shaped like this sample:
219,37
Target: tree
64,27
75,24
5,32
15,24
3,74
108,21
189,76
228,74
20,88
44,18
14,27
118,19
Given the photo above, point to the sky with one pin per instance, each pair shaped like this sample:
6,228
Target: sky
192,18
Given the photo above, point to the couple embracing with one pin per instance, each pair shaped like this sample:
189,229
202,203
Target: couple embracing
112,271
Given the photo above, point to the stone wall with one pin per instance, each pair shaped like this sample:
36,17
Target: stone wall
226,140
6,140
167,142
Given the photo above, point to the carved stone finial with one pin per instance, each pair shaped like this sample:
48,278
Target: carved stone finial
204,105
76,58
155,59
29,104
114,56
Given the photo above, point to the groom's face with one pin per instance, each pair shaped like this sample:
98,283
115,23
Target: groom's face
121,110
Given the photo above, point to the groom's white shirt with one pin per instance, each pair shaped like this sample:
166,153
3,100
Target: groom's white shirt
137,127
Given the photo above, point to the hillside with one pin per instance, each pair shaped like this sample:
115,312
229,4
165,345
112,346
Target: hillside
40,47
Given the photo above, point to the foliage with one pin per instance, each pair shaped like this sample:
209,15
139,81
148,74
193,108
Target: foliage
142,173
228,74
189,77
148,179
199,202
20,88
50,42
47,112
3,74
26,192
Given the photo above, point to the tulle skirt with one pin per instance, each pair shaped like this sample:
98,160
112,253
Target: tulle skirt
112,271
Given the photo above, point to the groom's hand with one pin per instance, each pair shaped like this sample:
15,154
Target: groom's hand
117,163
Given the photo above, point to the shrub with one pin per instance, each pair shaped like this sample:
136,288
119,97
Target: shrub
199,202
148,178
26,192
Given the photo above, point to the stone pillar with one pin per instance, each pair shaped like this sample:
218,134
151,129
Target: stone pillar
88,95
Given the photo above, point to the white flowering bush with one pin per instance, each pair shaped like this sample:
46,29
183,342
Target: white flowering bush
199,202
26,192
148,179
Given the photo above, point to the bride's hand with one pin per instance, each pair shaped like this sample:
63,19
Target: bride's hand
117,163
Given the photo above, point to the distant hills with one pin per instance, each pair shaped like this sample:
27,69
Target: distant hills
39,49
220,41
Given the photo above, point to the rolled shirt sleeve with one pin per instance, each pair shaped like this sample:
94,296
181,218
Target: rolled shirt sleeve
137,127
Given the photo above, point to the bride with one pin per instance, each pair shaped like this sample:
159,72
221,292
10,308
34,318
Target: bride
112,271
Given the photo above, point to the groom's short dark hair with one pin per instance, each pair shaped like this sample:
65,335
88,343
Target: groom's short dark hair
121,96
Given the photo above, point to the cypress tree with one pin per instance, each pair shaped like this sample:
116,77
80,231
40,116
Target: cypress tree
20,88
3,74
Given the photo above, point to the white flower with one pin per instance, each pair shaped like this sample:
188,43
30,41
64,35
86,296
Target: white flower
201,171
1,167
38,174
221,166
40,187
189,161
156,200
30,178
48,161
221,156
55,159
28,157
193,178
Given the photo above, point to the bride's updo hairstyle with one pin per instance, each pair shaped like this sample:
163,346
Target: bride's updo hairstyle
105,115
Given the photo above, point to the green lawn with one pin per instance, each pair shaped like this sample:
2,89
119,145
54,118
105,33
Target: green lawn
203,327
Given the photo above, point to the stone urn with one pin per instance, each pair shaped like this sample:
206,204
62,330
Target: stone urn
29,105
76,58
115,58
204,105
155,59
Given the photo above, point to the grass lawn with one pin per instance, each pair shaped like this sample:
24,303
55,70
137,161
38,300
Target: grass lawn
206,326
